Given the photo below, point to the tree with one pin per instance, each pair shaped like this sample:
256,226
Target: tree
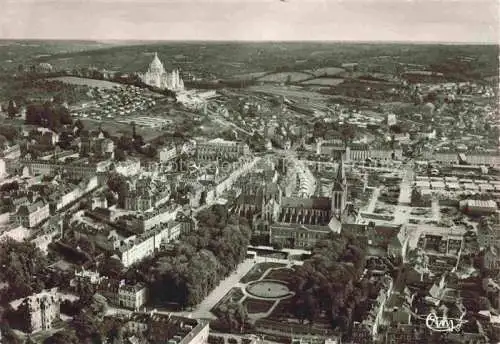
117,183
278,246
199,261
12,109
120,154
58,99
9,131
327,282
3,141
484,303
70,308
150,152
112,330
416,196
229,135
85,326
396,129
62,337
24,266
347,132
111,267
126,143
79,125
29,340
8,335
320,129
48,115
86,245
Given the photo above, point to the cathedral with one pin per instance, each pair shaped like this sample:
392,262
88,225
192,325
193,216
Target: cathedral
297,222
157,76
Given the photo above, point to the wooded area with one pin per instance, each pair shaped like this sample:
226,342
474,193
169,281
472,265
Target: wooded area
195,266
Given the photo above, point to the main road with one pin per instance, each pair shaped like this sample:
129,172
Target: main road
406,184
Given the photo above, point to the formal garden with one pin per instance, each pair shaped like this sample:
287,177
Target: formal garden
259,291
321,295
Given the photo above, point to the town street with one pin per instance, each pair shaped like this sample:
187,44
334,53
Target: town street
406,185
373,200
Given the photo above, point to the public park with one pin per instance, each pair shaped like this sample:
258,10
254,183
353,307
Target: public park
260,290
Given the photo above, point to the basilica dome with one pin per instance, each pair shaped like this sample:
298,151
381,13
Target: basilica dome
156,65
158,77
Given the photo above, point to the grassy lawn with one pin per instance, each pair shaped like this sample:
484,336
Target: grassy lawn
285,275
324,81
258,270
281,310
87,82
258,306
286,76
234,295
330,71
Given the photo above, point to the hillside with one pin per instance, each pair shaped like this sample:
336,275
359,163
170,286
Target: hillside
226,59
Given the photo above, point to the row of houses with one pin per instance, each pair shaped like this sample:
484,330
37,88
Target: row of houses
220,149
41,311
30,215
137,247
119,293
149,220
243,167
81,169
71,194
456,157
358,152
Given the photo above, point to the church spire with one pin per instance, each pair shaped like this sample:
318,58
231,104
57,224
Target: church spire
339,192
340,180
341,172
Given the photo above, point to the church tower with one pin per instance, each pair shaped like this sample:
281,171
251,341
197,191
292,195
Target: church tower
339,192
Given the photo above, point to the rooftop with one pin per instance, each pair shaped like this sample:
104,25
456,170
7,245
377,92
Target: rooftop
481,204
323,203
166,327
134,288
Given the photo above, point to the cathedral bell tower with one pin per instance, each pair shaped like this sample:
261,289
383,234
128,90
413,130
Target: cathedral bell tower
339,192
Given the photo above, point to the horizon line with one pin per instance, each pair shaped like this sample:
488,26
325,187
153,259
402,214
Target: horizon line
146,40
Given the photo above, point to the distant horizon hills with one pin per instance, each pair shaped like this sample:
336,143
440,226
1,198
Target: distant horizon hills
147,42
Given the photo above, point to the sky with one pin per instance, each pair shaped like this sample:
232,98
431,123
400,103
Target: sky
453,21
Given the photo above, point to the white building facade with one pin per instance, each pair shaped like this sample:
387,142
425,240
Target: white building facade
132,296
157,76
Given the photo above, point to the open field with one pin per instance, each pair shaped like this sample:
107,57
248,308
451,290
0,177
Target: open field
249,76
25,51
288,92
328,71
324,81
87,82
115,128
285,77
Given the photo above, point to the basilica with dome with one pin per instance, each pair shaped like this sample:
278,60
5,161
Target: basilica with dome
157,76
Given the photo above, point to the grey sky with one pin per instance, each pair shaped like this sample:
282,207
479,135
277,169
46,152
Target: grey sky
359,20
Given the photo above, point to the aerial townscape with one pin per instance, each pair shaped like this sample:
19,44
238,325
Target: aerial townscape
249,193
